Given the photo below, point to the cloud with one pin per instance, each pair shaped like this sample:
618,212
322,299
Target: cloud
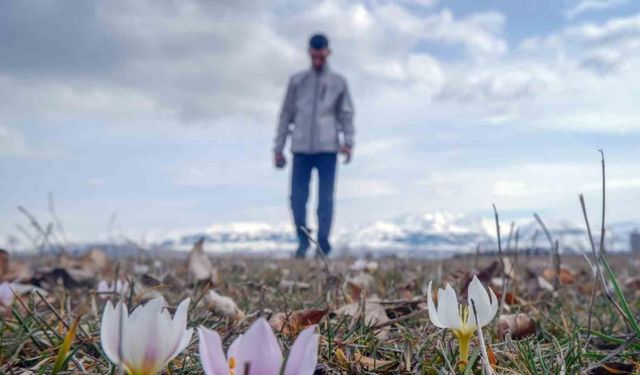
203,62
584,6
362,188
12,142
497,85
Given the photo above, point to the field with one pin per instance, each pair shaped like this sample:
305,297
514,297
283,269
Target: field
372,316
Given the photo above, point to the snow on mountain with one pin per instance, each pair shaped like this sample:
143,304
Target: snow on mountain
234,236
412,234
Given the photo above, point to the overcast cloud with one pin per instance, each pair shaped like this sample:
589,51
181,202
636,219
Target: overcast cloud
164,111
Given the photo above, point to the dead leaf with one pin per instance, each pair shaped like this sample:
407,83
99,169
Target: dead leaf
291,285
566,275
492,357
633,283
70,278
17,271
296,321
198,262
341,358
358,284
371,363
364,265
173,282
616,368
95,260
4,263
223,305
374,314
518,326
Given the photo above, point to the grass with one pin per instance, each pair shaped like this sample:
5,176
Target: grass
33,331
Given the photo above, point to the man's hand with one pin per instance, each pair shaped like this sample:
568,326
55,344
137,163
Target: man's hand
346,150
279,160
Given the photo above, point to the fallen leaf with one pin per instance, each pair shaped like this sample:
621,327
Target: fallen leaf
223,305
290,285
616,368
517,326
371,363
374,314
17,271
492,357
566,275
4,263
293,322
198,262
341,358
356,285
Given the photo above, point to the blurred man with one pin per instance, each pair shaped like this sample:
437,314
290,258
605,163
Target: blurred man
318,113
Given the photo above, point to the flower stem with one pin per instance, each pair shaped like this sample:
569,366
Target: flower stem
464,340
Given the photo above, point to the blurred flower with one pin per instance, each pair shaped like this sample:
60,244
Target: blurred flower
6,295
258,350
105,289
145,341
460,318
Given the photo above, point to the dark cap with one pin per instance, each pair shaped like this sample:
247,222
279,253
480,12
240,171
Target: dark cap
318,41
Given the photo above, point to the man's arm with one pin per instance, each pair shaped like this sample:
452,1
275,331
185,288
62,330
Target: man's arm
345,112
286,118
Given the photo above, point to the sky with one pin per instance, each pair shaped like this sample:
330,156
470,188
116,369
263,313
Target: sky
156,115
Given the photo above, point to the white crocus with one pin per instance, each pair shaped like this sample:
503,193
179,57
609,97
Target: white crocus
145,341
6,295
259,352
459,318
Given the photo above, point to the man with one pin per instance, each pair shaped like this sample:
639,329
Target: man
318,113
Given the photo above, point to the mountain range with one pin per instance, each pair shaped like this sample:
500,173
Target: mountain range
430,234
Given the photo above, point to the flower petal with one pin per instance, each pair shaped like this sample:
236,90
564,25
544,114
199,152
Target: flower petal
110,330
182,335
433,313
448,308
486,308
211,353
260,349
232,352
303,356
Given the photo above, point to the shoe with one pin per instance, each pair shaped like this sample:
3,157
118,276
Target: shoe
324,246
301,252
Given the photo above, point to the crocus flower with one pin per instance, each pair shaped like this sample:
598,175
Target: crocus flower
259,352
105,288
6,295
145,341
460,318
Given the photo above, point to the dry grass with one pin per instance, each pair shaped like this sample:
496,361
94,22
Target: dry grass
32,332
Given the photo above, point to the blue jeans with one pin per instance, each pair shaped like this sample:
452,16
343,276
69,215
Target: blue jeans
303,164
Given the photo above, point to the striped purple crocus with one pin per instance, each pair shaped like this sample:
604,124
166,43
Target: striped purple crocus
258,352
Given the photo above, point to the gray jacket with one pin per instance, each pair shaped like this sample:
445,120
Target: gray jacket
316,109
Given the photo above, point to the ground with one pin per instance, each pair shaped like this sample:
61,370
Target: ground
389,334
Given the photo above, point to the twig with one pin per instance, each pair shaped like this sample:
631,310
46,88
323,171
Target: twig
554,251
604,199
57,222
486,365
501,257
477,256
411,315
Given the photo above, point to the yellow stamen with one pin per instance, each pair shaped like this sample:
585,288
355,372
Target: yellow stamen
232,366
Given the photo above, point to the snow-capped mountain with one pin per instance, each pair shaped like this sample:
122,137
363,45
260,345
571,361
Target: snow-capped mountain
415,234
235,236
